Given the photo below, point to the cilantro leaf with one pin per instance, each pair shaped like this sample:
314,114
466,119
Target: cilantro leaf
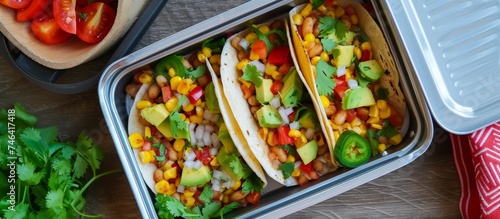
90,152
327,25
227,208
287,169
177,124
54,198
19,212
328,44
32,138
61,166
210,209
340,30
252,184
26,172
250,73
289,149
317,3
382,93
262,37
324,81
372,138
215,45
387,130
207,194
162,150
193,74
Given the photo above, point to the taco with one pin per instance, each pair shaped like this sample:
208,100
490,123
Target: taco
346,62
188,154
272,106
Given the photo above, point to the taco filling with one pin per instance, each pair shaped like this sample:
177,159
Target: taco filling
284,131
177,129
354,80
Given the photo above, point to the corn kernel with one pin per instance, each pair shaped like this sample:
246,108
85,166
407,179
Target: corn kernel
306,10
251,37
179,144
242,64
356,122
196,119
147,132
214,59
373,120
322,8
354,19
180,162
253,56
207,52
315,60
228,192
184,86
339,12
366,46
336,135
188,193
145,78
381,148
346,126
188,201
297,19
263,133
214,162
357,52
199,111
374,111
188,107
276,75
171,104
382,104
170,173
294,133
396,139
136,140
296,173
264,29
330,14
290,158
236,185
324,101
384,114
309,37
324,55
270,138
201,57
245,82
183,116
145,156
270,68
174,82
171,72
161,186
171,189
349,74
299,142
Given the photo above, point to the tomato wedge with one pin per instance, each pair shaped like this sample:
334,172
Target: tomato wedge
16,4
48,31
65,14
94,22
36,8
279,55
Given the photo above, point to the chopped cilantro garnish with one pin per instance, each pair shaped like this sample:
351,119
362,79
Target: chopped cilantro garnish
287,169
382,93
372,138
193,74
387,130
162,150
177,124
252,184
361,81
327,25
340,30
289,149
317,3
250,73
262,37
324,81
207,194
328,44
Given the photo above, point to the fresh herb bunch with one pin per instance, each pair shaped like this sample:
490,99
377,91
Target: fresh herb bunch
49,176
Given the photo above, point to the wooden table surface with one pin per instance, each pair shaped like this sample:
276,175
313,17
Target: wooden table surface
428,187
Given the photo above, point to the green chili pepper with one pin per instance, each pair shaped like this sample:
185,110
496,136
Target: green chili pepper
351,149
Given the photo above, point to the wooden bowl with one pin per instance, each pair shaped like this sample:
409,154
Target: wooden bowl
74,51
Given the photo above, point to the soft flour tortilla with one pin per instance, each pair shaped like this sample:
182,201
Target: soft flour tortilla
147,170
380,50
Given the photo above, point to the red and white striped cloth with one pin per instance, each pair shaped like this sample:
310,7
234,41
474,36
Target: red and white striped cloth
477,158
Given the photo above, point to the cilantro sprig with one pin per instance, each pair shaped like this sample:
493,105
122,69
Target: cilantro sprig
250,73
50,177
324,81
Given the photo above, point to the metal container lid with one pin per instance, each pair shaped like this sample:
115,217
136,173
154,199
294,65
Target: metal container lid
453,45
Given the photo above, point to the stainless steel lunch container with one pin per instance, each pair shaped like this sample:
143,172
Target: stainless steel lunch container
416,72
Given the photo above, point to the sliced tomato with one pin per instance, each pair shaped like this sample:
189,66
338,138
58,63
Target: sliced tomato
253,197
94,22
47,30
283,137
340,87
65,14
279,55
16,4
86,2
36,8
259,48
351,114
276,87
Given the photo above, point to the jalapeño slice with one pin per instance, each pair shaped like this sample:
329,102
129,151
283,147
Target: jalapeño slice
351,149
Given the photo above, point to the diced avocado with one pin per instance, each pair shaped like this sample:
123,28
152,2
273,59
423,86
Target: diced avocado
164,128
347,40
371,70
292,89
357,97
155,114
226,140
268,117
182,130
264,94
211,98
308,151
307,118
344,56
195,177
232,165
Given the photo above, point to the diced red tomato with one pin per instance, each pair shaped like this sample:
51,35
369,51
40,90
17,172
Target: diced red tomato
166,93
285,68
291,117
247,92
259,48
195,94
36,8
146,146
279,55
65,14
94,22
395,118
283,137
16,4
253,197
351,115
203,155
365,55
362,113
340,87
328,3
276,87
46,30
306,168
